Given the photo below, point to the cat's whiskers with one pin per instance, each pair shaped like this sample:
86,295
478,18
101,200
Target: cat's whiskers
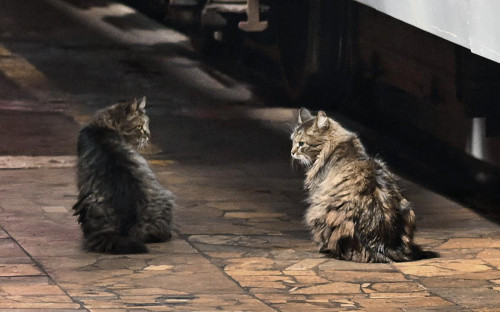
142,145
303,159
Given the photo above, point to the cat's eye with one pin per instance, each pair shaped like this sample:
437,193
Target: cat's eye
301,143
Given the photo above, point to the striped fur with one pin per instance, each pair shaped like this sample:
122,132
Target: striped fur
356,211
121,206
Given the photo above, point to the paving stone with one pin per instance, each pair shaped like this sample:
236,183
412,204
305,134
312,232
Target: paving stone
29,290
452,308
398,304
150,291
396,287
307,306
3,235
330,288
456,243
54,209
382,295
7,270
254,206
252,215
215,193
275,227
336,265
248,264
183,303
218,227
24,280
10,250
34,303
487,275
362,276
451,282
242,273
305,265
443,267
490,256
304,280
28,162
40,248
225,255
484,297
43,299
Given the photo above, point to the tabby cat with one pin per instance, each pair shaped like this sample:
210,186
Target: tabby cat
356,211
121,206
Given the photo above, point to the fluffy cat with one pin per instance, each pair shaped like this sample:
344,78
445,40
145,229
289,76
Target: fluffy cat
356,211
121,206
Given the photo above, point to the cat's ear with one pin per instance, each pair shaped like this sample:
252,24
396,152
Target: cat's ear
132,106
304,115
322,120
142,104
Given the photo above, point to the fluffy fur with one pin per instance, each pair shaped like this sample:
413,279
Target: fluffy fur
121,206
356,211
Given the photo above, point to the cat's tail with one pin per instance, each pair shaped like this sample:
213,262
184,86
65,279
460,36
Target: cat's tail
114,244
424,254
414,253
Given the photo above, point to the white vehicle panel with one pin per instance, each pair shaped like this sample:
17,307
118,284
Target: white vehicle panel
473,24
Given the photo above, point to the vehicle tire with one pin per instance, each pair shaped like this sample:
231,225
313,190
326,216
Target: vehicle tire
313,40
201,35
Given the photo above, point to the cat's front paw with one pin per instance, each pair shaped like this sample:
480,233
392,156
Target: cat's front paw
324,249
158,238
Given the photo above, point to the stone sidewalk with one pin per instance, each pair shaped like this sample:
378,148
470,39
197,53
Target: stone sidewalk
239,245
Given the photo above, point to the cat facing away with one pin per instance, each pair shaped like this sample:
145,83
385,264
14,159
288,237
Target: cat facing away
356,211
121,205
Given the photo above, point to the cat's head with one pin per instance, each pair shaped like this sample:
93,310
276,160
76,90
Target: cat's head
130,120
310,135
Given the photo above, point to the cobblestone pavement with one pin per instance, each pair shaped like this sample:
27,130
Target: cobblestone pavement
239,242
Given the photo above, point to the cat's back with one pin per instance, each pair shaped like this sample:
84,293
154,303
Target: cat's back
353,176
103,155
95,139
